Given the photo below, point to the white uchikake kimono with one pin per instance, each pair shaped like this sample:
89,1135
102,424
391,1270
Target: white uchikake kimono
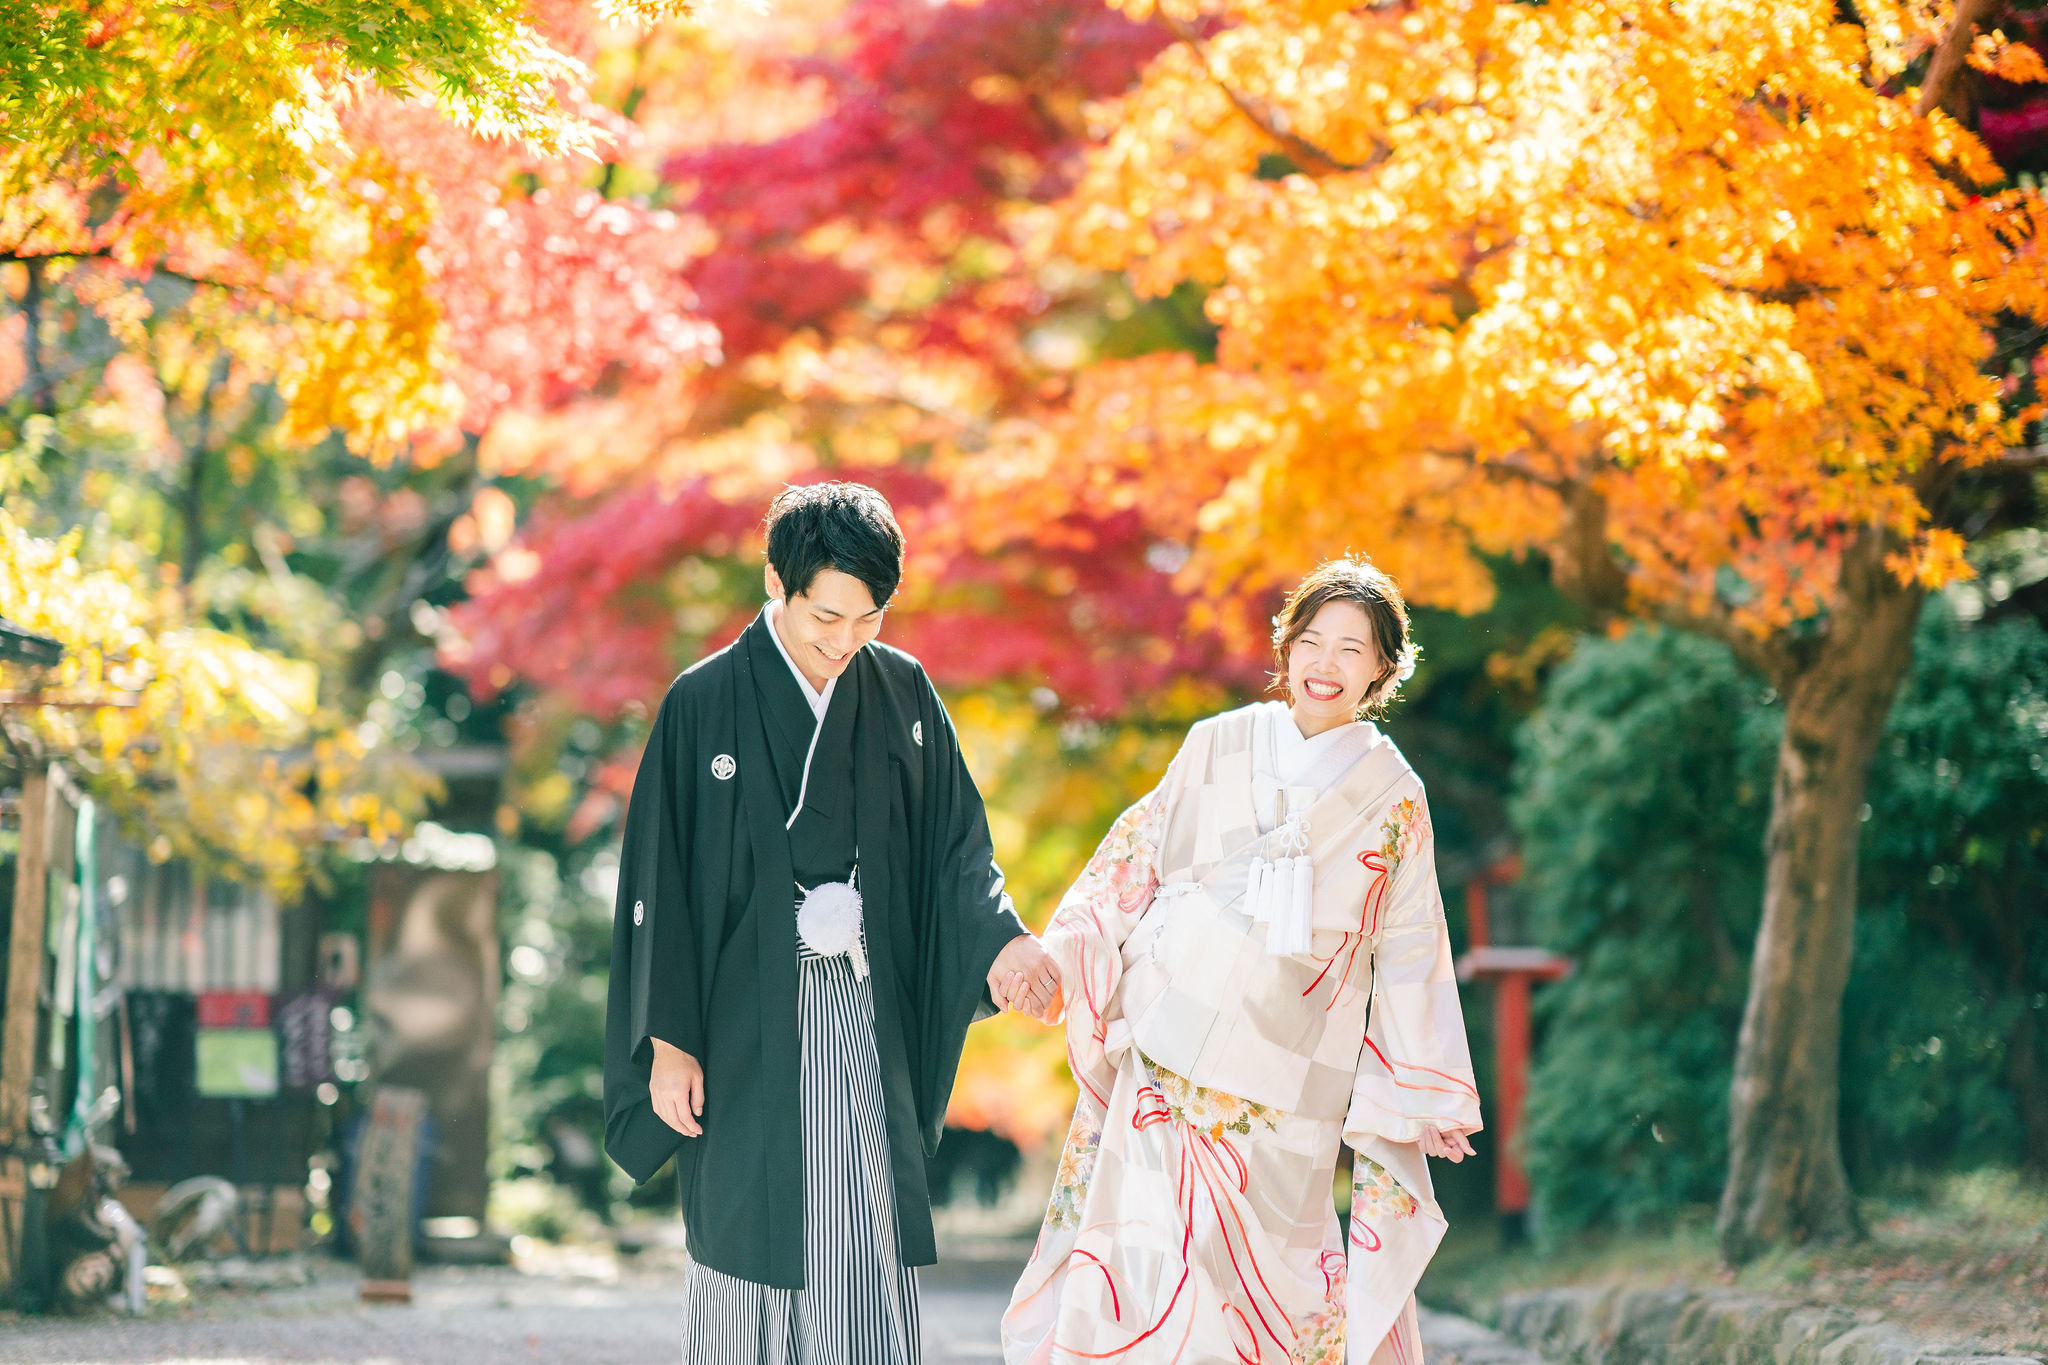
1192,1219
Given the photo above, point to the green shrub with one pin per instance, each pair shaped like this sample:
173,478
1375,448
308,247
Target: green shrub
1642,787
1945,1053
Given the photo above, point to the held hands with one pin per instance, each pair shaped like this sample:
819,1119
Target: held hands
1448,1143
677,1089
1024,978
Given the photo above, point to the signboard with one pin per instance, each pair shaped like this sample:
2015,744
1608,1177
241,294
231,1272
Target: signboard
382,1204
430,997
234,1009
303,1028
237,1063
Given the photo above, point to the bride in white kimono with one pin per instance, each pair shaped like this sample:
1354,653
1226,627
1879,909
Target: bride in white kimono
1256,971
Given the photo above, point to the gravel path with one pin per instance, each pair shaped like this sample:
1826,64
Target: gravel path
460,1317
501,1316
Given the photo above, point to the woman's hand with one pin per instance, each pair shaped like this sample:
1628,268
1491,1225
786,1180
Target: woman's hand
677,1088
1448,1143
1024,978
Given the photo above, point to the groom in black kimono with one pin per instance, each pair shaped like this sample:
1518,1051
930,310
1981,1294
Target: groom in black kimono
800,1079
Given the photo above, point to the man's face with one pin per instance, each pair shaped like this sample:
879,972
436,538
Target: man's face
824,627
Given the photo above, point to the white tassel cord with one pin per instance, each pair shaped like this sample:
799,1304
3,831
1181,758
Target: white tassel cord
1287,893
829,922
1255,891
1292,929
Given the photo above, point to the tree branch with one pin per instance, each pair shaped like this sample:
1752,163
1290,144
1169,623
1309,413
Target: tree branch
1584,568
1790,293
1271,121
33,259
1944,88
1510,466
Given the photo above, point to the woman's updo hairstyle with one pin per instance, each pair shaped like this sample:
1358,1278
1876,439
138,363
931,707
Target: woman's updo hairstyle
1351,580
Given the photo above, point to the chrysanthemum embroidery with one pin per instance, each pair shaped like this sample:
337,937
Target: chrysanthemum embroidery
1123,866
1077,1168
1402,832
1214,1112
1322,1337
1375,1193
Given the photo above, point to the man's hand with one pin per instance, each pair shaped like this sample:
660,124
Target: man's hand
677,1088
1448,1143
1024,978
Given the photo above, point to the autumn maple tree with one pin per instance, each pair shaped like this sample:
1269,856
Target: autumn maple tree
874,303
208,143
1723,308
217,750
228,237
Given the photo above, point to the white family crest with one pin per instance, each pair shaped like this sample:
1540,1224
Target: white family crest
723,767
639,911
917,732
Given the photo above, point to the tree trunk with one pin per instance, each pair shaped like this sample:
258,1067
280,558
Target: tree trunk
2030,1095
1786,1180
192,498
2014,928
42,391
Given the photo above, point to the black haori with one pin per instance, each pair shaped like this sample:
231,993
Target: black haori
705,953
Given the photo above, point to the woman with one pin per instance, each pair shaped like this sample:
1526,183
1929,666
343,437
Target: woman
1256,972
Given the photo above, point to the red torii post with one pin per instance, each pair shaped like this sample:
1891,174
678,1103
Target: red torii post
1510,970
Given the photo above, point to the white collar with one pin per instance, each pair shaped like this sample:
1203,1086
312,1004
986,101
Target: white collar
818,700
1297,757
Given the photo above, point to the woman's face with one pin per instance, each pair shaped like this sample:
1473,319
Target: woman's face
1333,664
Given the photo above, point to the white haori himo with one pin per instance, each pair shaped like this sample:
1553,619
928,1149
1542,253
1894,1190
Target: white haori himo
1257,973
828,921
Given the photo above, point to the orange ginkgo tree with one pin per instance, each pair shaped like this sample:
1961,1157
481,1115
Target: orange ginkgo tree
1721,307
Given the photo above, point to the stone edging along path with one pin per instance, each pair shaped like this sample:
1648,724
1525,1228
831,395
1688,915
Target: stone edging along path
1615,1326
1448,1339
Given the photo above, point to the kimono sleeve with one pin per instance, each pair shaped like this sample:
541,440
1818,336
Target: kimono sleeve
654,990
967,914
1415,1070
1087,933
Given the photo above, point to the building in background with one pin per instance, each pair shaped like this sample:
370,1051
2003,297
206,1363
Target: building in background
203,1029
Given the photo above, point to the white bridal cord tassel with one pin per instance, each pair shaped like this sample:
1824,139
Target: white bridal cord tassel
1291,932
1255,891
1287,893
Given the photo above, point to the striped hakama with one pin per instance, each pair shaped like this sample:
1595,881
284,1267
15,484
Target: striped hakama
859,1304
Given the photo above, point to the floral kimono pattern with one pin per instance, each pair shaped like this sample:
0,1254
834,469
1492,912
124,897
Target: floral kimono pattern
1191,1218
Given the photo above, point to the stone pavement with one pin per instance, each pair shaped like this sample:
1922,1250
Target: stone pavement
501,1316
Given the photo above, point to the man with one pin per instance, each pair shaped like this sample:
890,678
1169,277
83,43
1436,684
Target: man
809,916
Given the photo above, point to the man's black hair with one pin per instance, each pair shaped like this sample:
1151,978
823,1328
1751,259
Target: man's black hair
843,526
